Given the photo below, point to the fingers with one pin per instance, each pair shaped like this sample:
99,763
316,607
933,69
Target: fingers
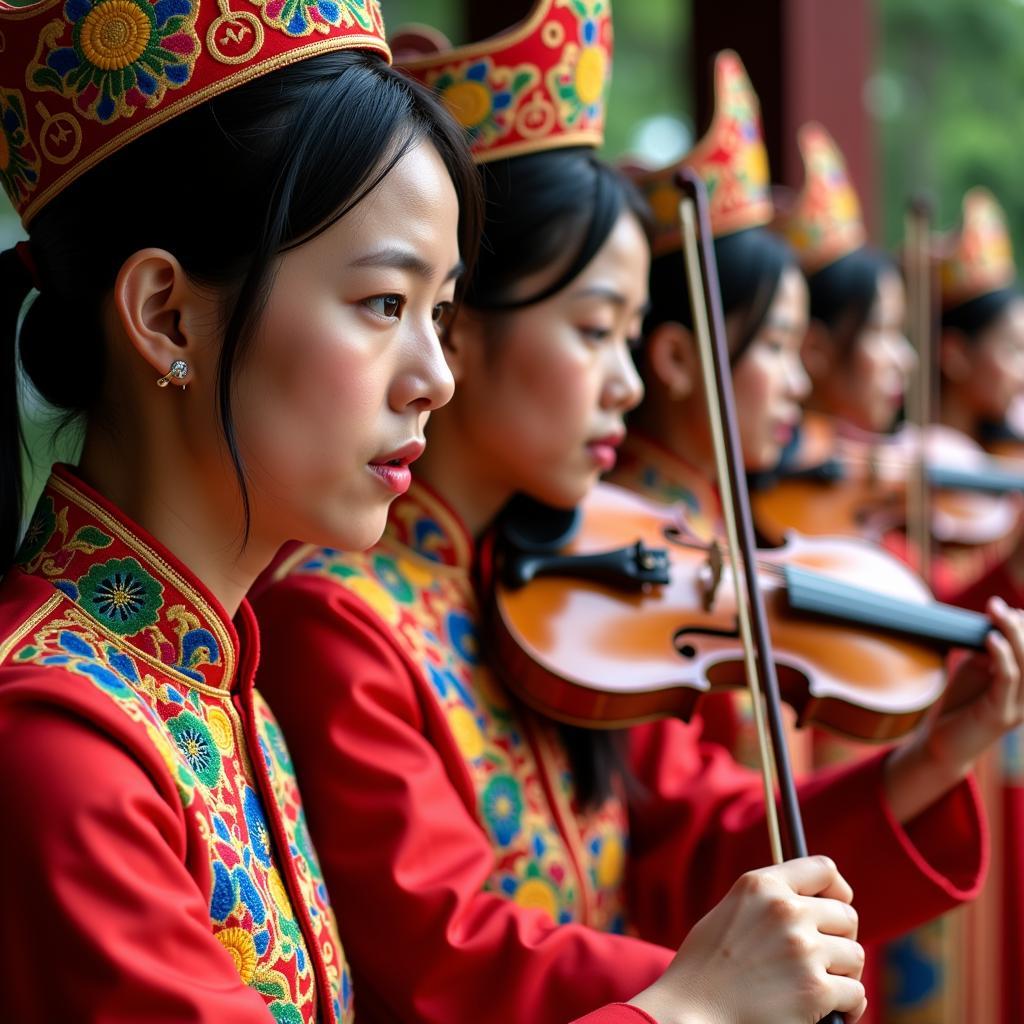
847,996
814,876
831,917
1011,625
842,956
1005,667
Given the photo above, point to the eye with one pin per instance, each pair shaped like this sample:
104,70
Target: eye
442,315
596,334
386,306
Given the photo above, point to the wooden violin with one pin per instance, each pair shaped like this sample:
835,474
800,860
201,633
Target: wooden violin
851,483
616,613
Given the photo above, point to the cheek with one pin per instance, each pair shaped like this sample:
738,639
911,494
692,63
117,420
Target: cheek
312,394
755,388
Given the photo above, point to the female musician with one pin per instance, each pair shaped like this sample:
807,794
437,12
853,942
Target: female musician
222,203
534,875
982,342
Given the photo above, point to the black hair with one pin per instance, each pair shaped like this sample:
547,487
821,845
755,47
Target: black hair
538,208
226,187
843,293
750,266
976,315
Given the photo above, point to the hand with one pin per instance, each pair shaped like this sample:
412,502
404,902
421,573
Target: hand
779,949
944,751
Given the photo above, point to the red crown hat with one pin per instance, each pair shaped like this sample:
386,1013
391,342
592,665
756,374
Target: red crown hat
977,259
731,158
79,79
540,85
825,222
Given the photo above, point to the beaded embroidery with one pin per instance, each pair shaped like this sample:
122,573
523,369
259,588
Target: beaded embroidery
182,703
423,595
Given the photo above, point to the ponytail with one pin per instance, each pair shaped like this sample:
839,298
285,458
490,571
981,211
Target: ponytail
16,281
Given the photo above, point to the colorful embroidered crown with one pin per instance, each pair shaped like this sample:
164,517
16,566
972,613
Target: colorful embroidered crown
731,158
825,222
540,85
79,79
978,259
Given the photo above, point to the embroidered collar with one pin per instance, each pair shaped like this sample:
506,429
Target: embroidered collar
131,585
423,521
647,465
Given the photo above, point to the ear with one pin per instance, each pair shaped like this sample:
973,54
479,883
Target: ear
954,355
463,342
817,350
160,312
672,357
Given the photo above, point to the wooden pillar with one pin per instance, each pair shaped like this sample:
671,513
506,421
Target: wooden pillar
808,60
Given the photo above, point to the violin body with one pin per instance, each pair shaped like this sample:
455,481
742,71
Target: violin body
856,485
588,652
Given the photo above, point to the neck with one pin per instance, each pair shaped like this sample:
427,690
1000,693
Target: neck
454,467
673,424
954,412
196,521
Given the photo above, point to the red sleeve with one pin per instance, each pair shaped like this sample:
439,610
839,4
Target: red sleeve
997,582
404,856
703,817
102,921
617,1013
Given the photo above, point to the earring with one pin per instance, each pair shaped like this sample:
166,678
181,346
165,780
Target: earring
177,372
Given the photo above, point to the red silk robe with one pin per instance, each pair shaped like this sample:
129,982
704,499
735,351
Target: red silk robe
157,864
472,884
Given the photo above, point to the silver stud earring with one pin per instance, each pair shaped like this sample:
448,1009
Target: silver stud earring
177,373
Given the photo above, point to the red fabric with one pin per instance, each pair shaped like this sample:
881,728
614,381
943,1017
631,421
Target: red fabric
616,1013
102,920
391,810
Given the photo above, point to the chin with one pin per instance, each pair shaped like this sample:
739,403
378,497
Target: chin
563,492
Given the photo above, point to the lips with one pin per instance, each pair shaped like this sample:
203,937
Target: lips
603,450
392,469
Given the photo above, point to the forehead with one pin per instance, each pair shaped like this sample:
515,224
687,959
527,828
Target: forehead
416,200
622,261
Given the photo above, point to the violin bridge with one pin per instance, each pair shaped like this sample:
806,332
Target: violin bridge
711,576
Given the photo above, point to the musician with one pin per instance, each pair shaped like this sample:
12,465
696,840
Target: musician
214,226
536,870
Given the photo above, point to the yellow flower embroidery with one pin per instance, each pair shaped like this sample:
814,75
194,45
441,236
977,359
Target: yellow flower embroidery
238,942
220,729
279,893
467,733
536,894
610,862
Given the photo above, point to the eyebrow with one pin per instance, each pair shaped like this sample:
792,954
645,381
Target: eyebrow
598,291
403,259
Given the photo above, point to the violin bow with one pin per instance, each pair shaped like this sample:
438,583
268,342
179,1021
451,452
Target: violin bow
920,330
709,328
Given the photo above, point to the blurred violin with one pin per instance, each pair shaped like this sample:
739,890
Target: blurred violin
840,481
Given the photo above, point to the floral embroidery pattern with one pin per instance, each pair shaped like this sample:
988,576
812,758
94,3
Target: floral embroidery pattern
254,913
19,158
483,98
121,594
438,630
114,56
579,81
300,17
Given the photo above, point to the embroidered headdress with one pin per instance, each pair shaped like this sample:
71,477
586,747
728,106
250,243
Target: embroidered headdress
540,85
79,79
731,158
977,259
825,222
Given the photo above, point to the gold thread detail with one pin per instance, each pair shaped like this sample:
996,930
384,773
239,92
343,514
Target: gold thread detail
114,34
15,638
169,573
188,102
228,22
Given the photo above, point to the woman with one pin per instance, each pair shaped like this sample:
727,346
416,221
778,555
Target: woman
221,203
515,850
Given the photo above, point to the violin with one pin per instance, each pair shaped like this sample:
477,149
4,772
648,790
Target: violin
853,483
617,613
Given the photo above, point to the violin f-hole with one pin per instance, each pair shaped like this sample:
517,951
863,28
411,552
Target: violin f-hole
689,651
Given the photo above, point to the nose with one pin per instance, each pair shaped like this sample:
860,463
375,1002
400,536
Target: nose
425,381
798,383
623,388
906,357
